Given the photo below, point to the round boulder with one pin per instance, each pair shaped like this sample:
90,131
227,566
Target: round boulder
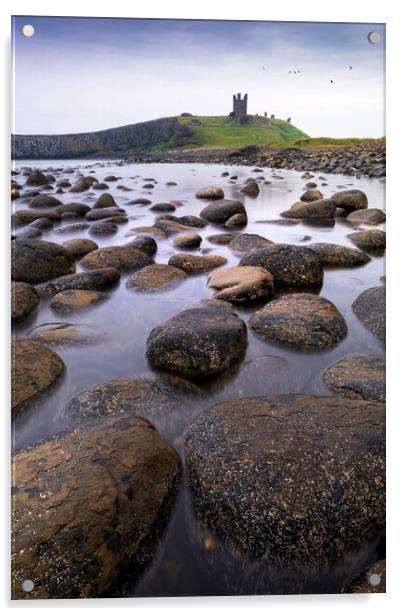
371,241
370,308
371,216
194,264
145,244
24,298
350,200
222,210
123,258
251,189
321,208
75,299
337,255
80,247
247,242
155,277
304,321
104,227
95,279
311,195
358,376
242,284
44,201
210,192
189,240
35,261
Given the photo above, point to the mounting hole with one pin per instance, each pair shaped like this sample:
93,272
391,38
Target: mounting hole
374,579
28,585
374,37
27,30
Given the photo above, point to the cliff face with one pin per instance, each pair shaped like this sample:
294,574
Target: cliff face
114,141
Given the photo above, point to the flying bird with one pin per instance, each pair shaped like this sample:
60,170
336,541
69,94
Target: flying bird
332,81
350,67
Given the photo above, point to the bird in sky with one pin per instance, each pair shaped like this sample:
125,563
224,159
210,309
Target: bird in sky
350,67
332,81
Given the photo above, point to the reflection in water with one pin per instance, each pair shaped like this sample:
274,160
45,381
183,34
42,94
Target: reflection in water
191,560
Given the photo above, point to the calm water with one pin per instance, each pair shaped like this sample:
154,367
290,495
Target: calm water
183,565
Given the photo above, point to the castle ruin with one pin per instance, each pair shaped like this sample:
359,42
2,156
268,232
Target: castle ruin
239,108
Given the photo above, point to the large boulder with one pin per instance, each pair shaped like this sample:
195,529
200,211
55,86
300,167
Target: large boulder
291,478
312,194
25,217
105,201
104,227
103,213
95,279
34,368
157,277
83,184
145,244
358,376
303,321
251,189
75,299
369,306
210,192
35,261
339,256
220,211
373,240
36,178
188,240
80,247
293,267
321,208
198,343
88,506
44,201
245,242
242,284
371,216
76,208
123,258
350,200
195,264
24,298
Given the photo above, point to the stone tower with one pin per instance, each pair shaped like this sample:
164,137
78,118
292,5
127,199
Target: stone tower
239,107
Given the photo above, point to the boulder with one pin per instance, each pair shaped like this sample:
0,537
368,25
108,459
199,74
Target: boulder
293,267
198,343
102,213
145,244
154,231
95,279
25,217
337,255
103,227
24,298
82,184
36,178
220,211
251,189
44,201
171,226
290,478
237,220
373,240
221,238
35,261
67,335
371,580
139,201
189,240
123,258
192,221
322,208
311,195
242,284
369,306
195,264
303,321
78,524
80,247
350,200
371,216
74,228
163,207
358,376
34,368
247,242
76,208
210,192
42,224
75,299
155,277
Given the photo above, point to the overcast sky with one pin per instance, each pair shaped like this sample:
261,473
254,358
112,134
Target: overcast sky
87,74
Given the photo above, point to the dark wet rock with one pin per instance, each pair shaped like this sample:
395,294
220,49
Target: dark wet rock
220,211
248,241
34,368
123,258
42,223
145,244
166,217
194,264
44,201
69,216
311,195
83,184
293,267
171,183
75,299
99,186
337,255
251,189
155,231
30,233
155,277
139,201
210,192
350,200
26,217
77,208
35,261
242,284
104,213
64,183
80,247
104,201
67,335
290,478
76,227
192,221
358,376
189,240
282,222
369,306
312,184
110,178
371,580
236,221
36,178
78,525
24,298
148,186
221,238
104,227
163,207
95,279
373,240
303,321
371,216
322,208
198,343
120,220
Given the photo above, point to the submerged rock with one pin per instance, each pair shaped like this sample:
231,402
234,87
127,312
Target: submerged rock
34,368
198,343
293,267
251,189
242,284
145,244
123,258
78,524
163,207
67,334
210,192
304,321
350,200
80,247
221,238
372,241
290,478
35,261
26,217
322,208
24,298
36,178
95,279
75,299
192,221
155,277
77,208
245,242
194,264
371,216
220,211
189,240
104,213
311,194
369,306
44,201
105,201
83,184
104,227
358,376
371,580
237,220
337,255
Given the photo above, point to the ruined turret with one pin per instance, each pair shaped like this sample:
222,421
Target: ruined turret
239,108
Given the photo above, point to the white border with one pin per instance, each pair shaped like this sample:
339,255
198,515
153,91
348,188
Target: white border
305,10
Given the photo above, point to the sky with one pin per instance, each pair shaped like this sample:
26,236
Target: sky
86,74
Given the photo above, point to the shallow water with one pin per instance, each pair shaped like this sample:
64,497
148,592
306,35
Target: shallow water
183,566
